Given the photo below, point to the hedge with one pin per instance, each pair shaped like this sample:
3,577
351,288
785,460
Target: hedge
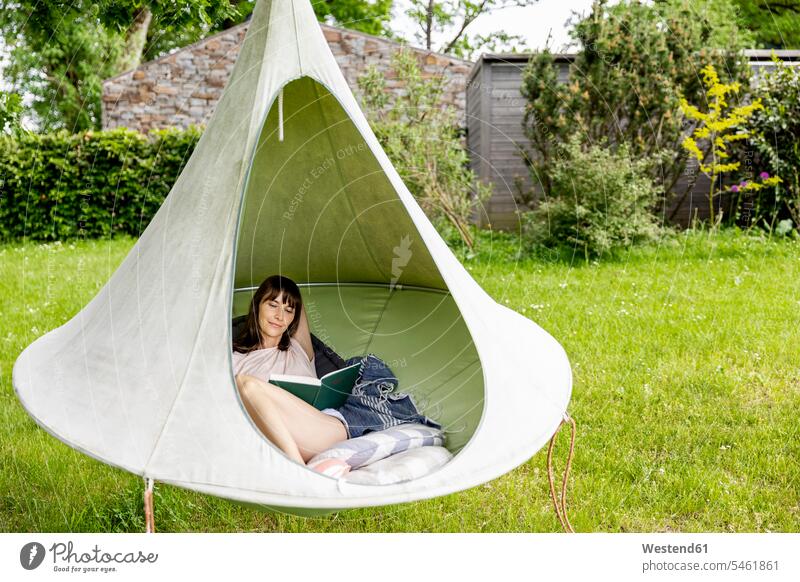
94,184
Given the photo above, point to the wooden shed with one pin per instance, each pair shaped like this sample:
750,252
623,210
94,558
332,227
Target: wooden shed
494,112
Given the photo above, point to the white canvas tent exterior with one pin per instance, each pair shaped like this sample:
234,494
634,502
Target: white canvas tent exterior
141,378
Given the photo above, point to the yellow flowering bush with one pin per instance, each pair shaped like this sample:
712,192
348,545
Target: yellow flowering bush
715,129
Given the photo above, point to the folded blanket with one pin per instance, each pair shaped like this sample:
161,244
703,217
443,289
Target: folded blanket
374,446
374,403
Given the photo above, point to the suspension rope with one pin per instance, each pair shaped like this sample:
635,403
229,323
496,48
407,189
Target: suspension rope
149,518
280,116
561,511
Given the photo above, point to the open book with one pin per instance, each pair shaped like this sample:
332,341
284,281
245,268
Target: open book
330,391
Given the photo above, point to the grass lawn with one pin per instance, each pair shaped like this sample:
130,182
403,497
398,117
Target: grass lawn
686,394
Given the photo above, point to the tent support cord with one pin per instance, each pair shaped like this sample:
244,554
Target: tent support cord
561,511
280,116
149,520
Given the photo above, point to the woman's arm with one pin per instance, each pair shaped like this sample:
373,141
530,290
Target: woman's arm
303,335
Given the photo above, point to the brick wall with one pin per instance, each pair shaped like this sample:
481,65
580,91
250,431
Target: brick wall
181,89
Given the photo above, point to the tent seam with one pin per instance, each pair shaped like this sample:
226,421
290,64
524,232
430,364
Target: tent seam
341,177
191,358
380,318
297,39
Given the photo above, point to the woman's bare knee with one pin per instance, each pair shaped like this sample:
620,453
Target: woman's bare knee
250,387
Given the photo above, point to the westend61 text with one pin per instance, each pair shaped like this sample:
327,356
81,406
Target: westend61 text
65,553
669,549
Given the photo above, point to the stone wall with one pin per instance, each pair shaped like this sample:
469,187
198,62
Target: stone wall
182,88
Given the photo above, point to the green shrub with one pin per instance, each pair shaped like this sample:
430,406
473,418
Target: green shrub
92,184
10,112
599,200
422,139
774,150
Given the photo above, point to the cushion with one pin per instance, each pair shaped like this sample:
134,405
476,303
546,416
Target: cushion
374,446
325,359
335,468
405,466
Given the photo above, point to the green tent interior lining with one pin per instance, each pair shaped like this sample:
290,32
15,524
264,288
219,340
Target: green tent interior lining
319,209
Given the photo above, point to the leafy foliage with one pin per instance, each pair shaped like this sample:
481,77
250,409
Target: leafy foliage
10,112
62,51
60,186
624,85
451,18
370,17
774,149
716,130
59,53
600,200
775,23
422,138
720,21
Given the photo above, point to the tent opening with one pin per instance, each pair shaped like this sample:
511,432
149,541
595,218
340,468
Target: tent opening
318,208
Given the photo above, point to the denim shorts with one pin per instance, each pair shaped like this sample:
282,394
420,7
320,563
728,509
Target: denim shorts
373,404
336,414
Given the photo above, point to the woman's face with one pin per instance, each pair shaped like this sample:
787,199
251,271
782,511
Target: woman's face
274,316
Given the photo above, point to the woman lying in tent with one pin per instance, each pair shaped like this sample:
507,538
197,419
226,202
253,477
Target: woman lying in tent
276,338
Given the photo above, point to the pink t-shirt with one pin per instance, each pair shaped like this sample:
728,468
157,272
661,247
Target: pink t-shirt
262,363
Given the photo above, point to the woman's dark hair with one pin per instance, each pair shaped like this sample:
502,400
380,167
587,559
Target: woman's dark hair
250,337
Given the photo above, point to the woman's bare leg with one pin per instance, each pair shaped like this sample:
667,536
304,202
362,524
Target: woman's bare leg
266,415
312,430
296,427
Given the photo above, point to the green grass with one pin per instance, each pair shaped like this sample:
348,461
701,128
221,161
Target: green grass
686,394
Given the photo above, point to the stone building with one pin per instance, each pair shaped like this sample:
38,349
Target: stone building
182,88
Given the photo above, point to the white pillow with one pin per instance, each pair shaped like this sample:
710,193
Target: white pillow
404,466
378,445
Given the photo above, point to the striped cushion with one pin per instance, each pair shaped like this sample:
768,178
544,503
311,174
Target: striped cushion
378,445
335,468
405,466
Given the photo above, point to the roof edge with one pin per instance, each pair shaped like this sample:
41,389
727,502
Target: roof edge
754,55
322,25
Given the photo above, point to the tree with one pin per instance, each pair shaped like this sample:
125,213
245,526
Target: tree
59,54
775,23
370,17
62,50
451,18
10,112
625,84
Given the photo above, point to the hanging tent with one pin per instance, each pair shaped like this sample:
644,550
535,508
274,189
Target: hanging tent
288,178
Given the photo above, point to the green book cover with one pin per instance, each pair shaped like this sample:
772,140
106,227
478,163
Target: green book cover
330,391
